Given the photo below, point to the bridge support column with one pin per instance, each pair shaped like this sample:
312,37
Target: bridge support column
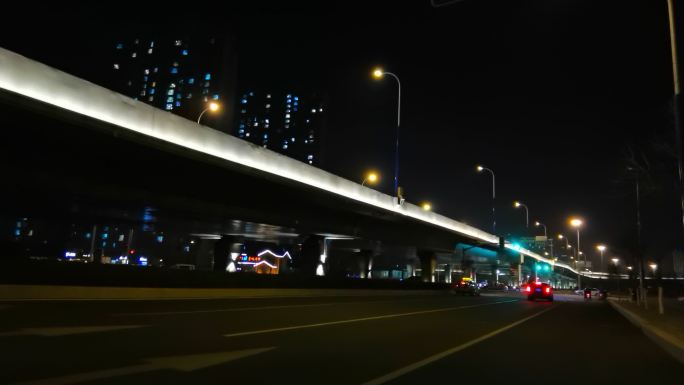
428,264
226,250
312,259
448,270
365,263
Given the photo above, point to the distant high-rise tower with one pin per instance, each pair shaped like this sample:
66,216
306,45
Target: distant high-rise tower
287,123
180,75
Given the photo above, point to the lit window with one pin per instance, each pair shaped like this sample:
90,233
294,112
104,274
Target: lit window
265,136
142,93
169,99
296,98
175,64
172,85
189,95
136,41
243,111
134,55
169,106
289,96
284,146
184,52
268,106
215,97
313,110
243,101
149,51
206,84
152,91
247,134
155,70
169,92
207,76
191,81
178,43
293,139
144,79
154,84
119,46
178,103
174,70
310,162
287,116
320,110
267,121
151,98
146,71
116,66
268,96
151,44
309,157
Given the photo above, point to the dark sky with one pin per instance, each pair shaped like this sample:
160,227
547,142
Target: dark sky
548,93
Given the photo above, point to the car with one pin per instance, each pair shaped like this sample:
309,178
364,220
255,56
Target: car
539,290
594,291
465,286
182,266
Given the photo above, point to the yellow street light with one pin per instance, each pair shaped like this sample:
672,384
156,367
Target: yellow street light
426,206
576,222
479,168
213,107
371,177
560,236
601,248
378,73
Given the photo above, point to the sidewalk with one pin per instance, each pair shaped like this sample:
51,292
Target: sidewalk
666,330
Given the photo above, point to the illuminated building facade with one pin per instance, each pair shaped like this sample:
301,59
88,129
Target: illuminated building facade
288,123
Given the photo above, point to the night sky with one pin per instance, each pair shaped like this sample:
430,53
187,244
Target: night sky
547,93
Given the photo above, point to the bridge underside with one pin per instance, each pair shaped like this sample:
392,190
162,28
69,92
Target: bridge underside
62,167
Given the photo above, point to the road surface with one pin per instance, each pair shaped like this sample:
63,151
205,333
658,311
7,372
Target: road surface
401,339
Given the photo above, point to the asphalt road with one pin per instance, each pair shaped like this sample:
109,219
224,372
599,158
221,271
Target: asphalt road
342,340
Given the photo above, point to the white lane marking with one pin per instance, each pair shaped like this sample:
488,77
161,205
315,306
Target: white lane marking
362,319
228,310
180,363
417,365
67,330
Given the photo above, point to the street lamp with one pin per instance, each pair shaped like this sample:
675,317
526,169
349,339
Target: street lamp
517,204
213,107
426,206
379,73
371,177
481,168
653,267
601,249
617,273
537,224
577,223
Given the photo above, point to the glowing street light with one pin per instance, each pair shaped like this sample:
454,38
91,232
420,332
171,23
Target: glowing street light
371,177
517,204
537,224
577,223
481,168
426,206
213,107
379,73
601,249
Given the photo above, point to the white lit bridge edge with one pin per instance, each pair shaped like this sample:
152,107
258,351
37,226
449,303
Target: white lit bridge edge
37,81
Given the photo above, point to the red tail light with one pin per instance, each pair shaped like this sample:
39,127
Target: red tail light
528,289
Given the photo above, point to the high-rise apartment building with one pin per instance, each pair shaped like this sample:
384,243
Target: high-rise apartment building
290,123
177,74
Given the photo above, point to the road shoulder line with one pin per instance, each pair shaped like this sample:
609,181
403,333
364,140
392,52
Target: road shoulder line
373,318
